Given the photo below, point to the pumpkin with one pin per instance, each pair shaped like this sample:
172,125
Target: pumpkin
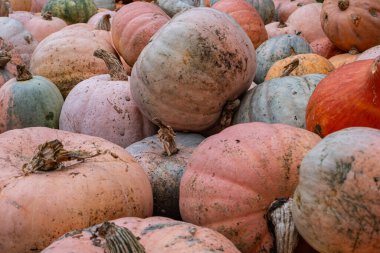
335,205
107,4
155,234
105,16
21,5
133,26
299,65
71,12
279,28
285,8
22,16
278,48
102,106
347,97
280,100
56,57
22,40
352,24
29,101
39,203
165,172
370,53
206,63
9,58
4,8
172,7
247,17
233,177
324,47
37,5
341,59
307,21
42,26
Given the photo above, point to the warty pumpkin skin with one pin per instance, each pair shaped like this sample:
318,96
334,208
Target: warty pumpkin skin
78,11
42,26
233,177
347,97
352,24
336,203
38,208
279,100
133,26
157,235
193,66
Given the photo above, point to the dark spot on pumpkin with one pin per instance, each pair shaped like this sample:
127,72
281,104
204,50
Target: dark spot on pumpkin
295,118
49,116
373,12
159,226
318,129
342,169
376,179
326,16
355,19
237,141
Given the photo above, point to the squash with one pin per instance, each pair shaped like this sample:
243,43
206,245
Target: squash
102,106
78,11
42,26
150,235
200,69
9,58
347,97
21,16
341,59
278,28
324,47
335,205
107,4
39,203
284,8
352,24
233,177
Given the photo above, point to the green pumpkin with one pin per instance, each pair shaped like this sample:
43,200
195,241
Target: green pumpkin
29,102
72,11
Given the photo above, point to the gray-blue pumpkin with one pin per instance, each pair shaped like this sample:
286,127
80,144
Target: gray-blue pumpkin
280,100
172,7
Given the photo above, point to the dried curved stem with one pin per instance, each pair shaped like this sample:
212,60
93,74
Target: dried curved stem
116,70
47,15
290,67
23,74
166,135
104,23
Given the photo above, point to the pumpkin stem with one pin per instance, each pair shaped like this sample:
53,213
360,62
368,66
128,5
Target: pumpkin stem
375,65
23,74
104,23
50,155
228,112
166,135
343,4
281,226
8,7
290,67
119,239
353,51
117,72
47,15
4,58
282,24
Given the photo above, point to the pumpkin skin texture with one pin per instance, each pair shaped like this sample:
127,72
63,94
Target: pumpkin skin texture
78,11
22,16
165,172
370,53
233,177
278,48
100,188
276,28
336,207
247,17
42,26
157,235
342,59
350,90
172,7
37,5
214,62
352,24
324,47
308,64
285,8
133,26
56,57
280,100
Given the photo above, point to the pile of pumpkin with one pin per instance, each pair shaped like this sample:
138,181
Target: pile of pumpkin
190,126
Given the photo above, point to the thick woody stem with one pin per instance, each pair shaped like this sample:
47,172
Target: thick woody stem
104,23
290,67
166,135
228,112
343,4
282,24
47,15
23,74
116,70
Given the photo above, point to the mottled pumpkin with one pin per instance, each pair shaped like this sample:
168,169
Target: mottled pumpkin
278,48
42,26
341,59
280,100
78,11
336,203
347,97
279,28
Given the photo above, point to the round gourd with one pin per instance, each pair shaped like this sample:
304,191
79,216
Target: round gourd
233,177
278,28
352,24
78,11
38,206
335,205
21,16
347,97
42,26
278,48
280,100
198,62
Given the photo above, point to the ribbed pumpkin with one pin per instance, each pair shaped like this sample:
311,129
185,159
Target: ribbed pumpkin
299,65
21,5
38,207
341,59
279,28
280,100
29,101
324,47
42,26
347,97
102,106
172,7
234,176
336,204
165,172
285,8
78,11
247,17
199,62
352,24
99,17
107,4
370,53
133,26
278,48
56,57
156,235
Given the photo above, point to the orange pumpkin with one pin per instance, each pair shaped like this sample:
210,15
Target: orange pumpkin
347,97
21,5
